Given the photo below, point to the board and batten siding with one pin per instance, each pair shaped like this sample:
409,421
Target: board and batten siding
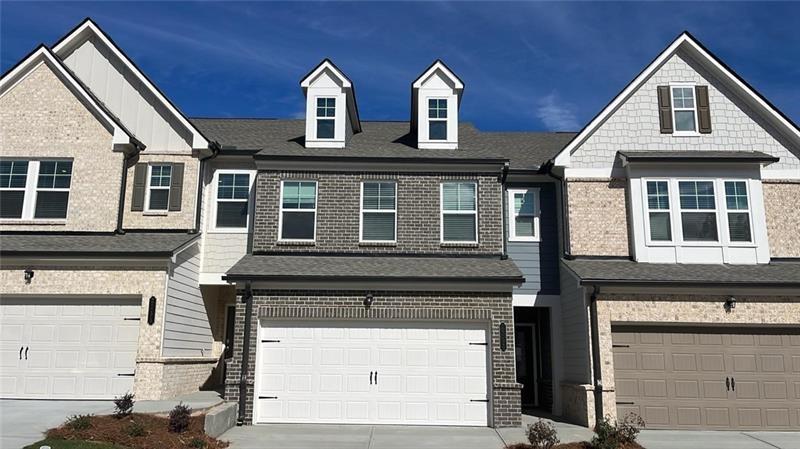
574,330
538,261
187,331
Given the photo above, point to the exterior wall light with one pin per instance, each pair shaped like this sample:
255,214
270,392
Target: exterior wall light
151,311
28,276
730,304
368,300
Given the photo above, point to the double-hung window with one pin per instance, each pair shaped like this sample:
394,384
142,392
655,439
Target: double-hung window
658,211
684,109
459,212
52,189
13,178
524,214
326,117
158,187
378,211
698,211
298,211
437,118
233,194
738,207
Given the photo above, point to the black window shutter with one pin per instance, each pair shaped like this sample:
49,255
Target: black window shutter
703,109
665,109
139,184
176,187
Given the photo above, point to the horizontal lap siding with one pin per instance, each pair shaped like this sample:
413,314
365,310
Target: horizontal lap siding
575,330
187,332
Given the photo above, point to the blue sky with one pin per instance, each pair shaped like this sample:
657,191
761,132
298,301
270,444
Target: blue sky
527,66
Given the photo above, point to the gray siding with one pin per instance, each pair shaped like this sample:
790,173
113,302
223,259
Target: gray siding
187,332
575,330
538,261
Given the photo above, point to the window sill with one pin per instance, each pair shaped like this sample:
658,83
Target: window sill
686,134
523,240
15,221
296,243
154,213
228,231
384,244
459,244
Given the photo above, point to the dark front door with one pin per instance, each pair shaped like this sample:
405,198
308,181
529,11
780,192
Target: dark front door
525,351
230,320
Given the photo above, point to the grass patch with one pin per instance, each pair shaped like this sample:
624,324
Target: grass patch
72,444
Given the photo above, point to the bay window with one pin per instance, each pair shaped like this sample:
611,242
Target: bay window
378,211
698,211
459,212
658,211
298,210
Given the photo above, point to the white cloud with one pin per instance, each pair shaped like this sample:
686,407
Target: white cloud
556,114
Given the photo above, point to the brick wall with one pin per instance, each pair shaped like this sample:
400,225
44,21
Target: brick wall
782,207
418,228
168,378
598,220
493,308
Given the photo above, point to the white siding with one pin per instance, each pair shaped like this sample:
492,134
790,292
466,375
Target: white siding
187,331
575,330
127,98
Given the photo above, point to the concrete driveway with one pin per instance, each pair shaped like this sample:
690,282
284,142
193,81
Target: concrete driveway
22,422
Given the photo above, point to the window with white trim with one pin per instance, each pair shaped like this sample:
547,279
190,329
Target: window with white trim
158,182
378,211
52,189
659,211
684,109
459,212
523,214
437,118
698,211
738,208
35,189
326,117
232,200
13,179
298,211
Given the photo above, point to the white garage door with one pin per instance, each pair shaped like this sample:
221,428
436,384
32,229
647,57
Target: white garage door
368,372
67,348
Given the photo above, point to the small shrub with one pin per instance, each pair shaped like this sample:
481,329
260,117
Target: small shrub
630,427
135,429
614,435
542,435
197,443
179,418
79,422
123,405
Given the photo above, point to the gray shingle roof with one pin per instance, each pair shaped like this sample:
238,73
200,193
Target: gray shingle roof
592,271
699,156
154,244
383,140
372,268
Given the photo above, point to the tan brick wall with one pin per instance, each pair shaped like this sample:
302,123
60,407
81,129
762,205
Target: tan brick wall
165,379
782,206
41,118
183,219
598,220
682,309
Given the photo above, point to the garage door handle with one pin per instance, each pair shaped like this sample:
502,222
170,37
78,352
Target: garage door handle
370,377
376,378
727,384
478,400
20,351
26,352
733,384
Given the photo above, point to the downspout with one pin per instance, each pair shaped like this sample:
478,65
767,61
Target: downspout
137,148
214,146
597,376
248,316
503,176
564,211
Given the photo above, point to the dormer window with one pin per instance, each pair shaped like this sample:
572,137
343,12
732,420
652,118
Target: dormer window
437,118
684,109
326,117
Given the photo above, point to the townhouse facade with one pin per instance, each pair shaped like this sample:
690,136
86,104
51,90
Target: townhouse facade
338,270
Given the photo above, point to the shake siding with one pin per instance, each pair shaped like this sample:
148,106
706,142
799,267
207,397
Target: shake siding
575,330
187,332
538,261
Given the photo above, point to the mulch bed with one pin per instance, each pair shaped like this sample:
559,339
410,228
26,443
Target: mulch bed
580,445
114,430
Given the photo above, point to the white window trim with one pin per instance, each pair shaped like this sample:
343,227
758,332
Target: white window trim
281,210
749,212
443,120
148,187
512,215
646,209
317,118
215,200
31,190
442,213
675,132
679,210
386,211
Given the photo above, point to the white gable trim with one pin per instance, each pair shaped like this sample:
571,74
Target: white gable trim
685,39
326,64
43,55
88,27
438,65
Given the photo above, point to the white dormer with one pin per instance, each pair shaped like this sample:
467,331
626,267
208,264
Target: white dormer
331,112
435,99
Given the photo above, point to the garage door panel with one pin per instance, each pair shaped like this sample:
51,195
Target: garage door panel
684,362
688,416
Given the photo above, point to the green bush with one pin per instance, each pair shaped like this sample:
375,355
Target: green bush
79,422
197,443
135,429
613,435
123,405
179,418
542,435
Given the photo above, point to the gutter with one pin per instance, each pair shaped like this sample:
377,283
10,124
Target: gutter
247,299
138,147
214,147
308,278
597,376
503,213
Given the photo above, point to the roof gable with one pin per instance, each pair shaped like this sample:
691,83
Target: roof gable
327,74
444,75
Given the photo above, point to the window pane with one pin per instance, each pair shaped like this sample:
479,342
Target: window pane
699,226
13,174
233,186
739,227
459,228
11,202
736,195
378,226
437,130
299,195
458,196
231,214
54,174
298,226
158,199
160,175
523,226
325,129
657,195
660,226
51,204
684,120
523,203
379,196
696,194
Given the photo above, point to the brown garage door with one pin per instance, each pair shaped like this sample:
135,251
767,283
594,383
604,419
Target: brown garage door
710,378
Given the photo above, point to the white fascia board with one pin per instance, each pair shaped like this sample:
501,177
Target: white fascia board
43,55
438,65
305,83
89,27
562,159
